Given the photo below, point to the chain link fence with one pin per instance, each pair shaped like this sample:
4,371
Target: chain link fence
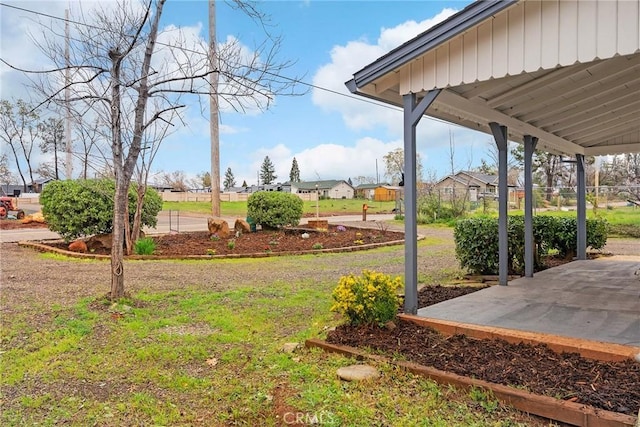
437,204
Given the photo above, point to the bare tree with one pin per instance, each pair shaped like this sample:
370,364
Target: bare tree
92,150
118,63
359,180
177,180
394,165
51,141
6,176
19,131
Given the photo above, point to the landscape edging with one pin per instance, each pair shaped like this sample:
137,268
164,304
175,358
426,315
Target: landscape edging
545,406
607,352
46,248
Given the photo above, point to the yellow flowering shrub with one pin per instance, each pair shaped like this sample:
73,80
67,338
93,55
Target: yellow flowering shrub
371,298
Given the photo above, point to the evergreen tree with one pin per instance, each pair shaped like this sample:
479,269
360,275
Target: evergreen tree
294,175
349,181
244,184
267,171
229,179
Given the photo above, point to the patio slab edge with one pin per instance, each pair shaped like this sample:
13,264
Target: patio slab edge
544,406
607,352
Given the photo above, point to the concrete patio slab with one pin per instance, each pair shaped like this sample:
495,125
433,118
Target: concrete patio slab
595,300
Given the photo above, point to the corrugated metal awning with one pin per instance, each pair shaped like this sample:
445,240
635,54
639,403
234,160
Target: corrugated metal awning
567,72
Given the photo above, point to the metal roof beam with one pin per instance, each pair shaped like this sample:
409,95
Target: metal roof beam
487,114
551,107
618,122
590,110
612,149
535,84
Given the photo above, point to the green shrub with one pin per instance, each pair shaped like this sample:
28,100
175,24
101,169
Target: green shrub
144,246
477,244
431,209
274,209
75,208
371,298
477,241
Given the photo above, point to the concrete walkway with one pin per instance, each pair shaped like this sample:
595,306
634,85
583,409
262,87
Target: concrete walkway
596,300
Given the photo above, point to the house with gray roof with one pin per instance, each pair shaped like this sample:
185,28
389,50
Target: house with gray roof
328,189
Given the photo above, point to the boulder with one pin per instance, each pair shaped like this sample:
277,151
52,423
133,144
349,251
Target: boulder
100,241
290,347
35,217
242,226
218,226
78,246
358,373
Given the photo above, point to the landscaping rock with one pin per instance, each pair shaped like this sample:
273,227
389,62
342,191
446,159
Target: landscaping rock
390,325
358,373
78,246
290,347
242,226
35,217
100,241
218,226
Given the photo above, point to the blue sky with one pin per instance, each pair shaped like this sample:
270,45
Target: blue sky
332,136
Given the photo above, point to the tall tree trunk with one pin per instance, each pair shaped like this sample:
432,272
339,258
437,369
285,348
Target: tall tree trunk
124,167
127,229
15,156
120,198
55,156
137,218
117,247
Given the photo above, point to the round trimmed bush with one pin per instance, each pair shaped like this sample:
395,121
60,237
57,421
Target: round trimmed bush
75,208
274,209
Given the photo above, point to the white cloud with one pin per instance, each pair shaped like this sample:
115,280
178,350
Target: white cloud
391,38
347,59
336,161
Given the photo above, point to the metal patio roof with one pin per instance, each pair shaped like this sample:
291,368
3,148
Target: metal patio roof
566,72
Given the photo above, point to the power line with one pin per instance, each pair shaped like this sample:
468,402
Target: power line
184,49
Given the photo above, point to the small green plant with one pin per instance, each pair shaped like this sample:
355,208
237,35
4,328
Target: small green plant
485,399
214,237
144,246
358,242
211,252
231,244
371,298
317,246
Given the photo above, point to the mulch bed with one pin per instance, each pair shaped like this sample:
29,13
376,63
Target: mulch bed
612,386
14,224
265,241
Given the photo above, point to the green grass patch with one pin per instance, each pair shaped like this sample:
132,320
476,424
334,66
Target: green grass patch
192,356
239,209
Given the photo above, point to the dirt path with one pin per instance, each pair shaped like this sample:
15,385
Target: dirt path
31,280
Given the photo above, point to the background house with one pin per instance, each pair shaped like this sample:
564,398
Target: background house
473,185
328,189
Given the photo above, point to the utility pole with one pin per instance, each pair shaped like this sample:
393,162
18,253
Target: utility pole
214,113
67,132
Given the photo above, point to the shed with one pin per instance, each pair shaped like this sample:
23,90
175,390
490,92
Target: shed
386,193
